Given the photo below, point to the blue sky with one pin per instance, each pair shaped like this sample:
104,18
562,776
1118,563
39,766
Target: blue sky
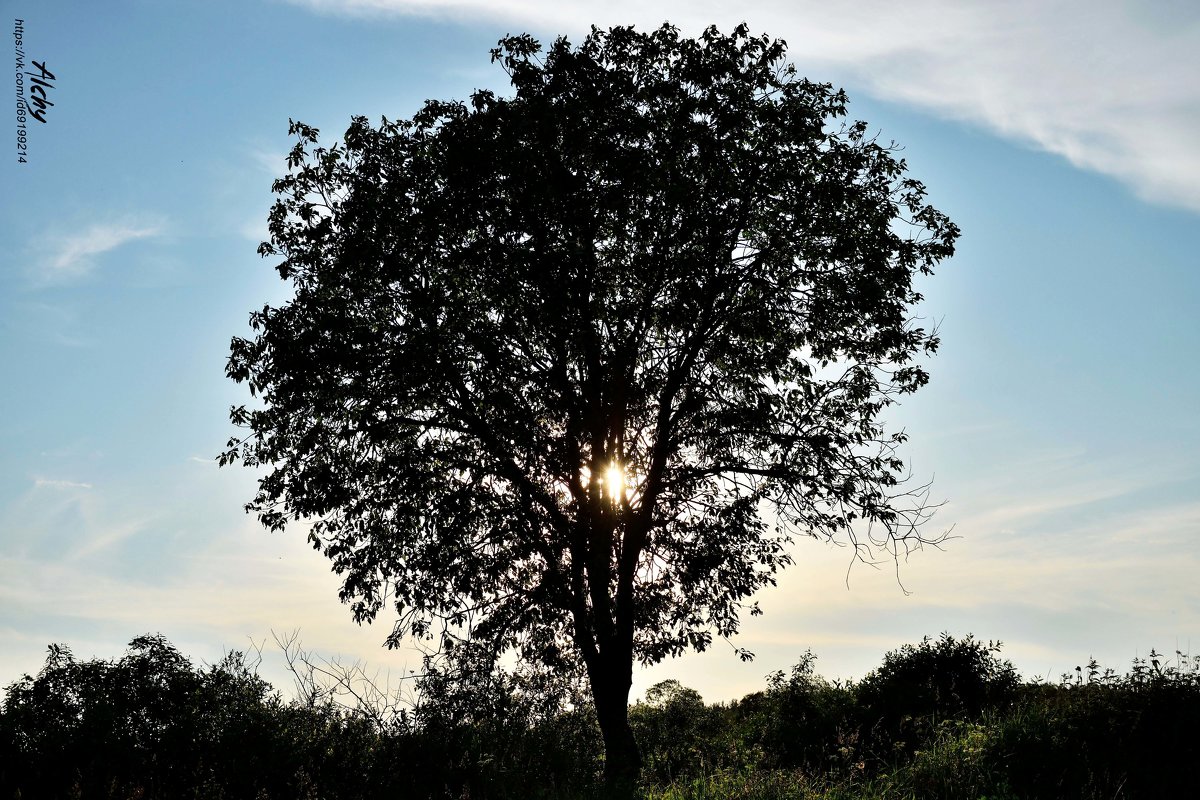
1060,425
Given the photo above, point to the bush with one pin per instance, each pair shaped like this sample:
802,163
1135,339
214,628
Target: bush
679,736
1099,734
801,721
151,725
919,686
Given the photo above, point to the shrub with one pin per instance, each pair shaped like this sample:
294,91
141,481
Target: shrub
919,686
679,736
801,721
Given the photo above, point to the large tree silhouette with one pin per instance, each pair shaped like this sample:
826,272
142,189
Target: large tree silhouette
563,371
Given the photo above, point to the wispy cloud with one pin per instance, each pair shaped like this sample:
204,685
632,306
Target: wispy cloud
268,161
75,255
1108,85
107,536
46,483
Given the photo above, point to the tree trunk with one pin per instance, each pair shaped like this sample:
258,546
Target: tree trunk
622,760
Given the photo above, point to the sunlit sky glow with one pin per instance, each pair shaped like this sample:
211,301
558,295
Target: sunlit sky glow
1060,425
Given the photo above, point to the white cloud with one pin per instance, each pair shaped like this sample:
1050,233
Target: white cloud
1108,85
45,483
74,257
269,162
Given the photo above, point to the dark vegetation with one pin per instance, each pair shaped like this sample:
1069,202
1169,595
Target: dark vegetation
945,718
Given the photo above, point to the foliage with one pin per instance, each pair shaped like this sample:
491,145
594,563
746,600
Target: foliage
801,721
919,686
494,304
148,721
1101,734
151,725
678,734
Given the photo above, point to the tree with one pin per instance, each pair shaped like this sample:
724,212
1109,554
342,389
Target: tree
564,371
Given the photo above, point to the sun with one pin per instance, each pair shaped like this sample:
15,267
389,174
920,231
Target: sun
614,480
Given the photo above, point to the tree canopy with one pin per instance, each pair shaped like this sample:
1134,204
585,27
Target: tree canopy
564,371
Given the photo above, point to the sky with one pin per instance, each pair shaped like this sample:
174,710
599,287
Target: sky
1060,426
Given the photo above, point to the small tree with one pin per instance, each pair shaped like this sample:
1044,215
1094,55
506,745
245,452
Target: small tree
564,371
